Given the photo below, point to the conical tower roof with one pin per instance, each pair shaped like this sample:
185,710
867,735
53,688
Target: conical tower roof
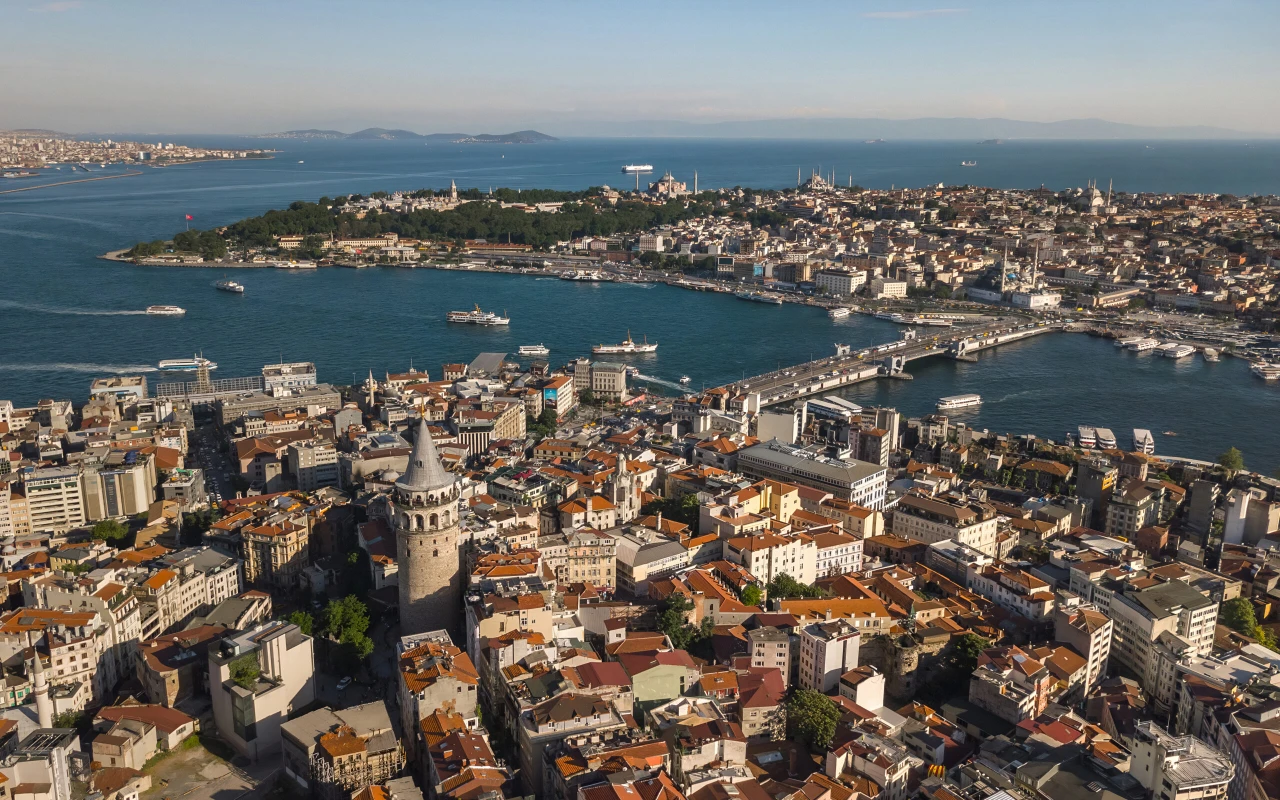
425,471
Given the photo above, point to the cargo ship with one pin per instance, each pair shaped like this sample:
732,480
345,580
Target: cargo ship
477,317
626,346
166,311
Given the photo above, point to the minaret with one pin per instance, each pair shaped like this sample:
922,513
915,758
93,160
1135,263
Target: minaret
1108,193
425,503
695,181
40,685
453,191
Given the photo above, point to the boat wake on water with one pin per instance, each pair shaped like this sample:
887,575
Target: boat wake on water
661,381
115,369
76,312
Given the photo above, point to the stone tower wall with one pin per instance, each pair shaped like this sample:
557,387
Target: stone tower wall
429,570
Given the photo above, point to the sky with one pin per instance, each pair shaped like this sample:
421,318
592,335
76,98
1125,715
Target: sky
566,66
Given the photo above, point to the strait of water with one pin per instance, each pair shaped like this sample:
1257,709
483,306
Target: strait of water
69,317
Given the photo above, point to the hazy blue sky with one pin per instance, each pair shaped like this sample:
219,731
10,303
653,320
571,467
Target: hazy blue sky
232,66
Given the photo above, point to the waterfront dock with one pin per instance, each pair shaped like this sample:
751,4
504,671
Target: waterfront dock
886,360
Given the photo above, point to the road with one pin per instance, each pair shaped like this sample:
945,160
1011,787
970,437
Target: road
219,469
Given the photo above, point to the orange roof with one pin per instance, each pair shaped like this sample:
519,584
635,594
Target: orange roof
157,581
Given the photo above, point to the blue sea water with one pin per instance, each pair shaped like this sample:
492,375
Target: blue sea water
68,316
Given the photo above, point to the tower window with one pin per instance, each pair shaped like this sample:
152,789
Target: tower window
435,553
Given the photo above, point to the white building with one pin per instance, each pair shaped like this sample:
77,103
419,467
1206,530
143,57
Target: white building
257,678
837,554
1157,628
932,519
883,287
768,555
827,651
314,464
839,282
55,502
1178,767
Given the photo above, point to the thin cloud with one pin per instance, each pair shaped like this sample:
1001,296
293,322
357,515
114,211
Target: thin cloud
914,14
57,6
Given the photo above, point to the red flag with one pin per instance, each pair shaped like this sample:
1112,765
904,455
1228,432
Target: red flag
190,217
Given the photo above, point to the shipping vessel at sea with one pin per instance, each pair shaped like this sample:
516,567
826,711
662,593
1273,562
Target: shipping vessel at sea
625,347
477,317
229,286
838,313
631,168
534,350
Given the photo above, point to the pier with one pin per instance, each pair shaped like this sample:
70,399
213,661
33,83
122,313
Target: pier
848,367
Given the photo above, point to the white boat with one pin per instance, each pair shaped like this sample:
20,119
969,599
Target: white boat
626,346
1129,341
1086,436
585,276
294,265
630,168
229,286
685,380
477,317
1176,350
1143,441
1211,355
957,401
533,350
1265,370
838,313
968,163
759,297
166,311
186,364
1143,345
633,372
300,162
1106,439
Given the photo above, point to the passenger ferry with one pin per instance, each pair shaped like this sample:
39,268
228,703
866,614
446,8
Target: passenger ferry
534,350
838,313
1175,350
759,297
625,347
1143,441
229,286
166,311
1143,345
685,380
592,276
1132,340
477,317
1211,355
630,168
1106,439
1086,436
186,364
958,401
1266,370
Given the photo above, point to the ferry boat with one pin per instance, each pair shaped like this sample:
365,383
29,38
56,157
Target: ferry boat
477,317
958,401
1211,355
685,380
229,286
838,313
928,321
1175,350
631,168
1086,436
633,372
1132,340
593,276
625,347
968,163
294,265
759,297
1106,439
1143,441
534,350
166,311
1266,370
889,316
186,364
1143,345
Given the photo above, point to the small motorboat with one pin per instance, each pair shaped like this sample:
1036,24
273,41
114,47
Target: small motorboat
685,380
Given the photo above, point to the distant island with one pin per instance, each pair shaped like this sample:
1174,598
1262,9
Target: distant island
389,134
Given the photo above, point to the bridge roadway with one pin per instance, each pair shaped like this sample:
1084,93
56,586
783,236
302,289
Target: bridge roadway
834,372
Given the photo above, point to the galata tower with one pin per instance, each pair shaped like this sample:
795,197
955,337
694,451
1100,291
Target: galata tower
425,505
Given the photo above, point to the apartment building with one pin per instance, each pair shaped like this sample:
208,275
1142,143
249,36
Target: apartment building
837,554
1156,628
275,555
933,519
591,558
257,678
1014,589
854,481
770,647
839,283
55,499
1087,631
313,464
768,555
609,380
1178,767
827,651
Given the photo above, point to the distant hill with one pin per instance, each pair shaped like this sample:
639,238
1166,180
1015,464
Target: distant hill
937,128
519,137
